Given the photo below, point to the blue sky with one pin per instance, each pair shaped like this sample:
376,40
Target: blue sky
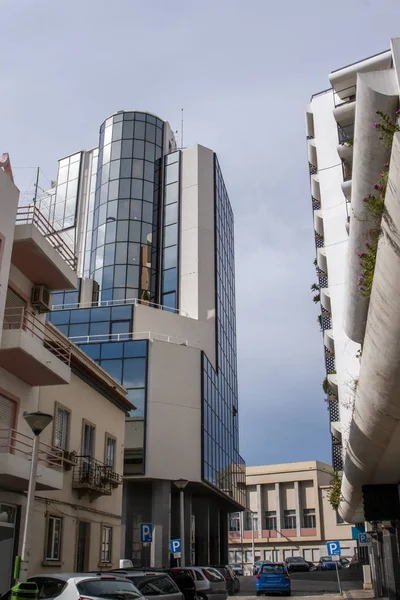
243,72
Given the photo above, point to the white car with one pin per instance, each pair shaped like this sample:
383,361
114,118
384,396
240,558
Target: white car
74,586
210,584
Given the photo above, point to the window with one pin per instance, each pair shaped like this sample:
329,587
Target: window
53,544
289,519
110,451
234,522
270,520
106,544
309,518
88,439
339,519
49,587
7,413
251,521
61,427
103,588
248,556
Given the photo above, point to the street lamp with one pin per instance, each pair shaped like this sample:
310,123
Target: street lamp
181,484
37,421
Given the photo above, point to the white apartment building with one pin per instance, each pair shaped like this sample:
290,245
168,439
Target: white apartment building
288,515
353,153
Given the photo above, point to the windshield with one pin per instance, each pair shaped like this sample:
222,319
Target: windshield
296,559
112,588
272,569
326,559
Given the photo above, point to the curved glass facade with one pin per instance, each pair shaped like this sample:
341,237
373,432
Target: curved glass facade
126,211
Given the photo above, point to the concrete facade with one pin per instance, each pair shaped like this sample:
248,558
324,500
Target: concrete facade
288,505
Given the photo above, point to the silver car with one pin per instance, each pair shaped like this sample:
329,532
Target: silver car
73,586
153,583
210,584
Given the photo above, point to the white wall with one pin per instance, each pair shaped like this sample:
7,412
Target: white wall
173,420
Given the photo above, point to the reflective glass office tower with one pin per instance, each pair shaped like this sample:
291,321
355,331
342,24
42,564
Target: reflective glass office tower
153,229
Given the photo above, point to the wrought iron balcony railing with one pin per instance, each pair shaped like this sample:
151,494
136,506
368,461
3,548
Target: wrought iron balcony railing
94,477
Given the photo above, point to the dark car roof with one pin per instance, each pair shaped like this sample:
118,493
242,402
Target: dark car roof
67,576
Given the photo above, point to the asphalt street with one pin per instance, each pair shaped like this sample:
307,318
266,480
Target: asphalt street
315,583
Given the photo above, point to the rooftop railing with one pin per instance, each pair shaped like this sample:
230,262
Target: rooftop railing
105,303
125,337
31,215
21,318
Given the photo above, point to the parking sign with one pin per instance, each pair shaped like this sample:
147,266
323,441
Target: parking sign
333,548
146,533
364,539
175,546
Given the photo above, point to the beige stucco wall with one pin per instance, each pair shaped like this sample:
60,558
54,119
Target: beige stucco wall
85,403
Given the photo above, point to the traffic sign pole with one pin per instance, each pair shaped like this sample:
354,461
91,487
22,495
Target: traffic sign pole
338,579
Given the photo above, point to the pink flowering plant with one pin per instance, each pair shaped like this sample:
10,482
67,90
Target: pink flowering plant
367,263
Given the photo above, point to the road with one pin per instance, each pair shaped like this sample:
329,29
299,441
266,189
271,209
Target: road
316,583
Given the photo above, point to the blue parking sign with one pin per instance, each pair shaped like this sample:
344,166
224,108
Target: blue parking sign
333,548
175,546
146,533
364,539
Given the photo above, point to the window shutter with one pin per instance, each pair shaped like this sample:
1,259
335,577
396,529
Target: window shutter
7,413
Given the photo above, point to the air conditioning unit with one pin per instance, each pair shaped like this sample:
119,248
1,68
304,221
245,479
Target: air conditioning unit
41,298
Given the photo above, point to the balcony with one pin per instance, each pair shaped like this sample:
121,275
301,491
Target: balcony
15,463
41,253
33,350
94,478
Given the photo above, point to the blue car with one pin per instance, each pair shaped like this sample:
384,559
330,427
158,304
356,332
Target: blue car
273,577
326,563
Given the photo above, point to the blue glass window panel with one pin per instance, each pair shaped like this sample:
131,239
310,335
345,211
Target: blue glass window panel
169,300
57,298
99,328
171,214
100,314
110,232
147,229
133,276
139,130
109,254
117,131
134,372
60,317
112,350
138,149
106,295
124,188
172,158
63,329
79,330
114,171
108,273
113,367
120,276
115,150
137,188
123,209
127,132
137,397
140,116
80,315
126,163
170,257
159,136
122,231
134,231
148,191
119,294
120,327
92,350
137,168
147,212
119,313
113,190
172,173
172,193
148,171
170,235
150,133
169,280
71,298
121,253
135,349
133,253
149,151
136,209
112,208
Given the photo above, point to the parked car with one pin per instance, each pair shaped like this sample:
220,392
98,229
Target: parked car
152,583
326,563
238,569
273,577
66,586
210,584
346,564
312,566
184,580
232,580
296,564
257,565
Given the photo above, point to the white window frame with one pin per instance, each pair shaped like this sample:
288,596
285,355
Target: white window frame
52,541
106,544
289,517
65,415
309,518
111,442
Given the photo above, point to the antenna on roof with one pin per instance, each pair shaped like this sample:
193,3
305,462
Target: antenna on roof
181,127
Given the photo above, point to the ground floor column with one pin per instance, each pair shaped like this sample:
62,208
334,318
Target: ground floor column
200,508
161,520
223,538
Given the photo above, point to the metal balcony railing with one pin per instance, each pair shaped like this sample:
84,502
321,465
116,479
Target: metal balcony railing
345,133
31,215
21,318
93,476
14,442
344,96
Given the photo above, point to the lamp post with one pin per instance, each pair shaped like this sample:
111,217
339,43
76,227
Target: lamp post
252,537
37,421
181,484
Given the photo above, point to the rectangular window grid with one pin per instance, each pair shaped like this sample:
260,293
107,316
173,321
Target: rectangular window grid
223,467
289,519
110,451
270,520
170,232
309,518
62,428
54,533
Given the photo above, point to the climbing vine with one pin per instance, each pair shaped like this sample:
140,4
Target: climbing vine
334,495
